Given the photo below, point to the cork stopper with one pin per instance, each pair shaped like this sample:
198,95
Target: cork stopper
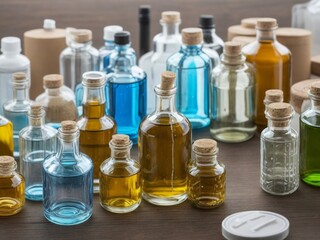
7,165
36,109
266,24
249,22
280,110
232,49
81,35
205,146
315,89
170,17
93,79
19,77
273,95
69,126
53,81
167,80
192,36
120,140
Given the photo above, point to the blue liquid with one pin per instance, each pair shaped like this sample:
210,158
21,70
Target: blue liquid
106,62
79,98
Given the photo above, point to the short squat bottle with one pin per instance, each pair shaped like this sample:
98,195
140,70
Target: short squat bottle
120,178
6,137
165,148
68,180
37,141
279,152
206,176
232,97
16,110
11,187
193,68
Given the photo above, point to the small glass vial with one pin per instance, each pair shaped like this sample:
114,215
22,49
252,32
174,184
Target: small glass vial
11,187
37,141
206,176
68,180
279,151
59,105
165,148
6,137
232,97
16,109
120,178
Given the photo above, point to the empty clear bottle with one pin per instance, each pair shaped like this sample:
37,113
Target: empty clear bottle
126,89
232,97
16,110
120,178
6,137
279,152
36,142
193,68
68,180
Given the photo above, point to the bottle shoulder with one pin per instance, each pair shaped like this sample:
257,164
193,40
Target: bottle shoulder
94,124
12,181
17,106
279,136
311,117
17,62
263,49
120,168
42,133
214,170
187,61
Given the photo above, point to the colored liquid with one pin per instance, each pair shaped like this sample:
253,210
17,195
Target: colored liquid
6,138
79,98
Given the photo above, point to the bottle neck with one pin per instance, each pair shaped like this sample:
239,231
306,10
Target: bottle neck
169,29
266,36
191,49
53,91
315,103
208,35
124,59
279,125
20,93
109,45
120,153
233,61
37,121
75,46
203,160
165,103
93,102
68,150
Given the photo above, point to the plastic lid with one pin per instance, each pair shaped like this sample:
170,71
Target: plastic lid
110,31
206,22
144,9
122,38
49,24
255,225
192,36
10,45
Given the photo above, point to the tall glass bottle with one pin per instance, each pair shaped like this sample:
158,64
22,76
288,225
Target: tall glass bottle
6,137
96,129
272,62
126,90
192,67
279,152
232,97
36,142
144,29
68,180
165,148
11,187
120,178
309,139
16,109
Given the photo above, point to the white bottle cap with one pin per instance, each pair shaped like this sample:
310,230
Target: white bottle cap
49,24
110,31
255,225
10,45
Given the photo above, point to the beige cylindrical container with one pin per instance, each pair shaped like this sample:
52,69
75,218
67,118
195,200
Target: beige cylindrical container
243,40
315,65
299,43
43,48
246,29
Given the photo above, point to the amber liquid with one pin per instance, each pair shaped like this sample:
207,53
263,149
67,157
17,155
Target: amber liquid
272,64
6,139
164,152
11,194
96,131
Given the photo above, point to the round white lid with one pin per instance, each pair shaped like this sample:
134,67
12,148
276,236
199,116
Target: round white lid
10,44
255,225
110,31
49,24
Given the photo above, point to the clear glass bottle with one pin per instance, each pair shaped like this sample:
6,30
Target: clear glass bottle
58,104
16,109
68,180
206,176
6,137
126,90
164,148
193,68
232,97
309,139
120,178
37,141
279,151
11,187
272,62
96,129
11,61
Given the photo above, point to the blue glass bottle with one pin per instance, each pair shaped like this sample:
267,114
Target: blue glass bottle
126,89
68,180
16,109
192,68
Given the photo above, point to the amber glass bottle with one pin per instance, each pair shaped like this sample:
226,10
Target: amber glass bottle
96,129
6,137
272,62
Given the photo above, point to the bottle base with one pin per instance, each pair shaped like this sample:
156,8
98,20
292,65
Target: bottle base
311,179
207,202
120,205
9,206
231,135
34,193
276,192
164,201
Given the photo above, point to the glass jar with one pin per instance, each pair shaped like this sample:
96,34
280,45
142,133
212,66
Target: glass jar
6,137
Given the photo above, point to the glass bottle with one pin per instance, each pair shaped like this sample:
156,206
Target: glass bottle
164,148
6,137
11,187
11,61
193,68
126,90
309,139
16,109
68,180
120,178
206,176
96,129
144,29
272,62
279,149
232,97
37,141
58,104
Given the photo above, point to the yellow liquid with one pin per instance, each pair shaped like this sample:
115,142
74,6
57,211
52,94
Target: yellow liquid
6,139
272,63
164,152
12,197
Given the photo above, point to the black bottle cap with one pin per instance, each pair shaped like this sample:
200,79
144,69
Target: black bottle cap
144,9
122,38
206,22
